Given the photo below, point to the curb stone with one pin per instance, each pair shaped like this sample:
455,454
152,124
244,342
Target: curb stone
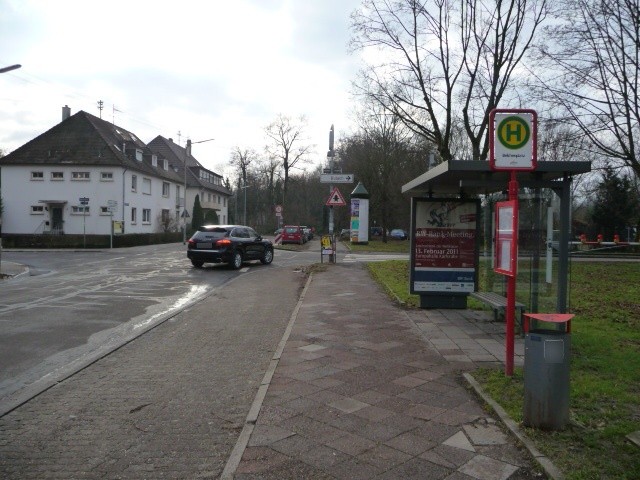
545,463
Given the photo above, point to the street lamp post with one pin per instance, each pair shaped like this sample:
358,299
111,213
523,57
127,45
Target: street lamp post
3,70
245,202
185,213
9,68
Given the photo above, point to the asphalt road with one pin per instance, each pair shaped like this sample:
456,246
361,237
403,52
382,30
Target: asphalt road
172,401
76,306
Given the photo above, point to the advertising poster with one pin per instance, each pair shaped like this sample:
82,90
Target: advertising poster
443,257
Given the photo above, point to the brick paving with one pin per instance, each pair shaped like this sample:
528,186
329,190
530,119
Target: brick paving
364,389
358,389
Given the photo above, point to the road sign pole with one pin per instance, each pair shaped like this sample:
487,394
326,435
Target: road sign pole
512,147
511,282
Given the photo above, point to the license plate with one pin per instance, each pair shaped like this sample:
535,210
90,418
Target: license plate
204,245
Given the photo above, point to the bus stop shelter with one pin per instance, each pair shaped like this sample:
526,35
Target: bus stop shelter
461,179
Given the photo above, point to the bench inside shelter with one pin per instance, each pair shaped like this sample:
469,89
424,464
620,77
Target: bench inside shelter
499,305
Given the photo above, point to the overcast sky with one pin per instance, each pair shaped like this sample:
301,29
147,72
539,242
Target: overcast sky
204,68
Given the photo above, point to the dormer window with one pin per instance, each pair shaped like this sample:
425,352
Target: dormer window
154,160
166,164
138,155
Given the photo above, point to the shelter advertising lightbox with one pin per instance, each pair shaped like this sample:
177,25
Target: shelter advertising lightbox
444,253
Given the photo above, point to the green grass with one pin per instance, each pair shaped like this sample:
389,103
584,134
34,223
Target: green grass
392,246
605,370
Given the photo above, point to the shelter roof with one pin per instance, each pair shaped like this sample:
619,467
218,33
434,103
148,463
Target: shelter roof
469,178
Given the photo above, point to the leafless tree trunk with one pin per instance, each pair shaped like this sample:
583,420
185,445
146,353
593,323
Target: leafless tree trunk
241,158
268,169
288,143
589,68
441,57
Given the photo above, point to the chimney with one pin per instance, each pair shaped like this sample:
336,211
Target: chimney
66,112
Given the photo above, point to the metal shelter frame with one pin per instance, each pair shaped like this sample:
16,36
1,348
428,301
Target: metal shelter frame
467,179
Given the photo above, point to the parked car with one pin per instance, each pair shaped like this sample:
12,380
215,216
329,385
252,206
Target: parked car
308,234
293,234
345,234
376,231
278,231
398,234
231,244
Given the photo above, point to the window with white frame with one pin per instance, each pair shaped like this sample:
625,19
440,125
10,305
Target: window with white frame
165,189
138,154
106,176
166,164
154,160
134,183
37,209
80,210
104,211
134,215
146,186
57,176
80,176
146,215
37,176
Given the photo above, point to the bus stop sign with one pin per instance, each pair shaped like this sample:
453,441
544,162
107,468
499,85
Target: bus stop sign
513,139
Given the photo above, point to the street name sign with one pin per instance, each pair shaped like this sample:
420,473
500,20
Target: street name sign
336,178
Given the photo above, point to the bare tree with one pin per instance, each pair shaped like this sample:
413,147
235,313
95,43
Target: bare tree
268,169
440,57
241,158
589,68
288,144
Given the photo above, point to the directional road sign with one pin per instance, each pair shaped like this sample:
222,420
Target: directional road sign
336,178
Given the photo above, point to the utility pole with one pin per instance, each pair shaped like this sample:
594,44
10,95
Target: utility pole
187,154
330,157
100,107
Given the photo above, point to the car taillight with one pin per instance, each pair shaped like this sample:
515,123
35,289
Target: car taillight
191,243
224,242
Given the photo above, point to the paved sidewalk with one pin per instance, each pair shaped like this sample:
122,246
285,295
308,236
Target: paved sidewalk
364,389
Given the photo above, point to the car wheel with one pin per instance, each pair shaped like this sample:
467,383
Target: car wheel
236,260
267,257
197,263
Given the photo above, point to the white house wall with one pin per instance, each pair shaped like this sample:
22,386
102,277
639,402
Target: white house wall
20,193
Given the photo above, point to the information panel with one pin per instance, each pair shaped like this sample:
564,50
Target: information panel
443,256
506,246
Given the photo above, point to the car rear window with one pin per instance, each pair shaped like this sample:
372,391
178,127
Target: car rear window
292,230
213,233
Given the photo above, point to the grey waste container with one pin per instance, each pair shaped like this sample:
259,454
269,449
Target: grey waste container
547,352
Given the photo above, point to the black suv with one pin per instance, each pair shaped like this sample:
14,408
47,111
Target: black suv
232,244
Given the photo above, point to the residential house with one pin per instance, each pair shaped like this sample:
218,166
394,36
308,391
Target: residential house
213,195
83,174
